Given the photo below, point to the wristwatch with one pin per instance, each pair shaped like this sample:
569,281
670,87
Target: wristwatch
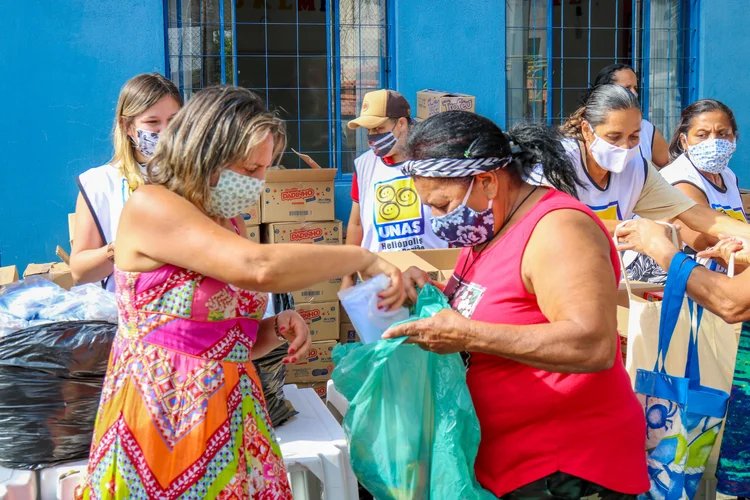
111,252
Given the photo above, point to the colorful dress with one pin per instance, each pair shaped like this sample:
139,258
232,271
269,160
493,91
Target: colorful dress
733,471
182,414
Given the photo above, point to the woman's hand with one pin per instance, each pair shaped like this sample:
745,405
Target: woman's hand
649,238
446,332
414,280
292,327
394,296
726,246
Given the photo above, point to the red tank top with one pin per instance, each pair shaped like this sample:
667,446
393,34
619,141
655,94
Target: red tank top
534,422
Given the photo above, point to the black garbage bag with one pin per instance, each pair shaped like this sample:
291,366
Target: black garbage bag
272,373
51,380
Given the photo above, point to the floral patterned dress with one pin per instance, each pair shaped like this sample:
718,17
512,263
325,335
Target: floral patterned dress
182,414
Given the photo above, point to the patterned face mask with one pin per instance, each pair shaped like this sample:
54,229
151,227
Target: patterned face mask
382,144
233,194
147,141
463,226
712,155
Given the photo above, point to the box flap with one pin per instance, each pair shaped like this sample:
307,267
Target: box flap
297,175
405,260
444,259
34,269
8,274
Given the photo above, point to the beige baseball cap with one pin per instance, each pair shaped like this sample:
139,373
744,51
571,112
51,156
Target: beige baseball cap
380,105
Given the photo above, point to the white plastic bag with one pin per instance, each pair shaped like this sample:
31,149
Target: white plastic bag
361,304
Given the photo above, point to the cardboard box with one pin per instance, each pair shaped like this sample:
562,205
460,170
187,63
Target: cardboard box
745,194
322,319
439,264
298,195
320,388
431,102
251,214
326,291
317,366
253,232
57,272
348,334
324,233
8,275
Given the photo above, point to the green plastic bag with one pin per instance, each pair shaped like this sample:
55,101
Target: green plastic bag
413,432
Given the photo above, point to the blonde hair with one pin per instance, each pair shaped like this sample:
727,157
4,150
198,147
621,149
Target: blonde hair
218,128
137,95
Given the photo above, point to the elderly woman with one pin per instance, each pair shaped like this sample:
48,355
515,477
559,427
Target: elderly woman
535,290
730,299
182,413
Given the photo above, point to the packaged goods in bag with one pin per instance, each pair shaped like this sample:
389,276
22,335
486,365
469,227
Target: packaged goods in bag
361,304
411,424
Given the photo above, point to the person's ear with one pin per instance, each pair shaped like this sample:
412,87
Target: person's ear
489,183
587,131
684,142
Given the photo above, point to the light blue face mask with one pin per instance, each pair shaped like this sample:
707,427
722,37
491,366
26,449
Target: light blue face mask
712,155
463,226
233,194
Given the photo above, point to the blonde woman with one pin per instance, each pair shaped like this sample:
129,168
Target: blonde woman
146,105
182,414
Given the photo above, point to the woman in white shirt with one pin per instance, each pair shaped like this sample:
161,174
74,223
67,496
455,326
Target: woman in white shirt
146,104
603,139
701,147
653,145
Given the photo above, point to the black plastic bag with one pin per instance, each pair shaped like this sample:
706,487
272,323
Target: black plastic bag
51,379
272,373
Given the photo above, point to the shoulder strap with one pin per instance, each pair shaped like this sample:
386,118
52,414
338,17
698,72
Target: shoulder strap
674,296
236,227
104,282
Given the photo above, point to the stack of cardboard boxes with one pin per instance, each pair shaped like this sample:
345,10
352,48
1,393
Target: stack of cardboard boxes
297,206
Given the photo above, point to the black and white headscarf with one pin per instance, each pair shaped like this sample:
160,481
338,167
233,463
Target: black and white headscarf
452,167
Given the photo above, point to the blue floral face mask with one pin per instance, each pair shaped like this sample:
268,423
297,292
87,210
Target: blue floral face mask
712,155
463,226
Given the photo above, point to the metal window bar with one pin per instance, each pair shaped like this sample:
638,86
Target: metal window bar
219,41
668,66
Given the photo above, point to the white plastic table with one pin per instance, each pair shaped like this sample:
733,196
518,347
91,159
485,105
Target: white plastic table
336,403
314,441
17,484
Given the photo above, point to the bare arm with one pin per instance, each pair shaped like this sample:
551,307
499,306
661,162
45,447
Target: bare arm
693,239
705,220
354,231
581,334
729,298
567,266
88,257
611,225
159,227
659,150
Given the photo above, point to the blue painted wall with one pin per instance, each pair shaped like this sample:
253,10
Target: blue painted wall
724,68
63,62
452,46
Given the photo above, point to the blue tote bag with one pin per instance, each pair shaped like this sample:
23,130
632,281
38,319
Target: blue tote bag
683,418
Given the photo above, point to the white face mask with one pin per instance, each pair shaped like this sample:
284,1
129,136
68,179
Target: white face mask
611,157
233,194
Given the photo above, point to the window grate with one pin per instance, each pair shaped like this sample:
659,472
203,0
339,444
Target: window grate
311,61
555,48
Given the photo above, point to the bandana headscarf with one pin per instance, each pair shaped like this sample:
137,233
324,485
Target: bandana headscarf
452,167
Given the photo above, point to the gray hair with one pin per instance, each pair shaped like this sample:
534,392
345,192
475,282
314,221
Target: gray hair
600,103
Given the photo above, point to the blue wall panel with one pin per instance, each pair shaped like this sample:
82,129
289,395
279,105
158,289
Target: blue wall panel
63,63
724,68
452,46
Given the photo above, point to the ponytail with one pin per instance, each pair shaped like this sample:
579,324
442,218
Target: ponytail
572,126
540,145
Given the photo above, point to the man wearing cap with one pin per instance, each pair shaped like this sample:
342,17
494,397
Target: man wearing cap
387,214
